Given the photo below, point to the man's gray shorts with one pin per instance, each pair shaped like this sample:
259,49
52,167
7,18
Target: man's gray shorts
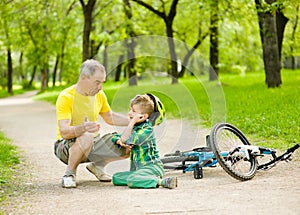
103,149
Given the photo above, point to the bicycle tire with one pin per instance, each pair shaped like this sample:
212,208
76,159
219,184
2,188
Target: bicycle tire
225,137
180,158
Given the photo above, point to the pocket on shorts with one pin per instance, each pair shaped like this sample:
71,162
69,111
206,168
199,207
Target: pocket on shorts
61,149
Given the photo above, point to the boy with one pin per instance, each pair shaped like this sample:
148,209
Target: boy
146,168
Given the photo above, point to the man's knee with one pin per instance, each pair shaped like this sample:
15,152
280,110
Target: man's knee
85,141
82,145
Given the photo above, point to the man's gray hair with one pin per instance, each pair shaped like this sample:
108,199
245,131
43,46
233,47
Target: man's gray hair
89,67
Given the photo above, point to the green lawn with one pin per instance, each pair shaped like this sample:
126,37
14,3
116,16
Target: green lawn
9,157
268,117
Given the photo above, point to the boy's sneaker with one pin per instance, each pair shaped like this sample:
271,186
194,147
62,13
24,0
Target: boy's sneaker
170,183
100,174
68,181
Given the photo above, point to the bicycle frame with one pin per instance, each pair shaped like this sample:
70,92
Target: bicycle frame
205,159
199,158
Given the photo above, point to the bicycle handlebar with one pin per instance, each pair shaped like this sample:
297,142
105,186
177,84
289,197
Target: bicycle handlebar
284,156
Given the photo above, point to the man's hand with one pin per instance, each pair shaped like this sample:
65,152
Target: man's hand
91,127
138,118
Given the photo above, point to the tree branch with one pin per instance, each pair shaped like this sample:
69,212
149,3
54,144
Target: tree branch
71,7
172,13
82,4
149,7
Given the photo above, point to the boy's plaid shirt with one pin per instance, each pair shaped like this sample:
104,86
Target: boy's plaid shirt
143,141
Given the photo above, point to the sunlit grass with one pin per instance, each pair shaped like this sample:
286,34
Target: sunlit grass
9,157
267,116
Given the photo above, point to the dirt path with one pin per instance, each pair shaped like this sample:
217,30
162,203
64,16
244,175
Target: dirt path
32,127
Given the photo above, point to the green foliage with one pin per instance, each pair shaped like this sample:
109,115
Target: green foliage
271,8
8,153
57,33
9,158
17,91
27,86
50,94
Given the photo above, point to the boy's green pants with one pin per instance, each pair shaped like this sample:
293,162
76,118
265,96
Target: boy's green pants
146,177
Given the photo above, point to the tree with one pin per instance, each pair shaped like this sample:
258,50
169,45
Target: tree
214,43
293,38
64,26
39,32
271,23
168,19
190,29
9,61
7,17
130,44
87,28
190,53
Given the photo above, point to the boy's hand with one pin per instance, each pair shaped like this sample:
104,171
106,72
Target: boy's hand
128,147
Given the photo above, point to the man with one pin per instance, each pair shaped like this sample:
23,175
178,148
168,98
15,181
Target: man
78,139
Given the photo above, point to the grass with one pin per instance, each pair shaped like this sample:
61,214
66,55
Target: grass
9,158
268,117
17,91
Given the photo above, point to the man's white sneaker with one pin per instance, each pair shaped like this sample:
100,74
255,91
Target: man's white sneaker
100,175
68,181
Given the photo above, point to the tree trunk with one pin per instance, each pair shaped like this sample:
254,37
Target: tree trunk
9,61
270,44
32,75
87,28
10,72
270,51
293,38
55,71
105,58
119,68
189,54
21,74
132,75
61,65
44,77
168,19
281,21
130,44
174,70
214,35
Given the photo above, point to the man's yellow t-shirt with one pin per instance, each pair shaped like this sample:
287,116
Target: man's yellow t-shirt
73,106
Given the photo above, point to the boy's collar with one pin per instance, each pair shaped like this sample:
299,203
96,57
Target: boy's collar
140,123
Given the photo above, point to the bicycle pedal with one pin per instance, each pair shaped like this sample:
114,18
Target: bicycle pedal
198,172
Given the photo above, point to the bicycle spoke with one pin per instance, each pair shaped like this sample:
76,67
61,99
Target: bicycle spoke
236,160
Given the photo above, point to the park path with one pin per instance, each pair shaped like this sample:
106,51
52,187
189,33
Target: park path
32,127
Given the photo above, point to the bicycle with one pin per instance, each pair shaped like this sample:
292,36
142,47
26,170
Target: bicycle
226,145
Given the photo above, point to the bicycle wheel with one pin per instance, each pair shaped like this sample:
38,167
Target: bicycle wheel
179,158
226,141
